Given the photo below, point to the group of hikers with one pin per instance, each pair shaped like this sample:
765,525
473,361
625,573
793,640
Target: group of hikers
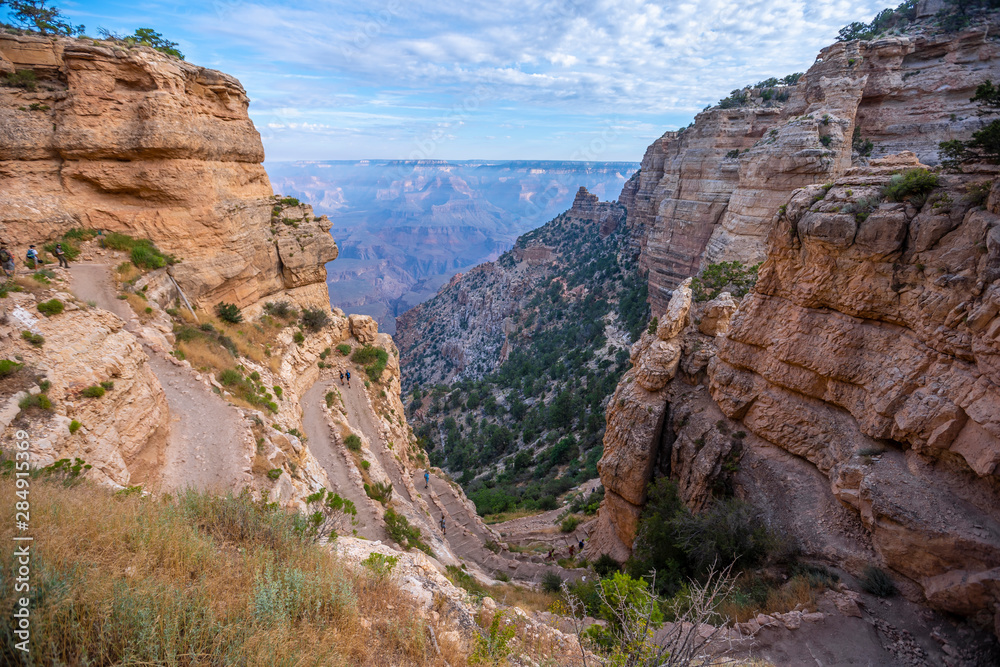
31,259
572,550
348,375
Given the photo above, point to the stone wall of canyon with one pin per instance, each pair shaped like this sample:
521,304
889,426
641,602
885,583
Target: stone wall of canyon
127,139
854,397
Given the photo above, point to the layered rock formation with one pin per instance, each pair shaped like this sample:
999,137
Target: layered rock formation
465,330
130,140
699,202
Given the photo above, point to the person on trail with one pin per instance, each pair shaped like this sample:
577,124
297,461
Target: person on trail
61,256
348,378
31,258
427,478
571,550
443,532
581,545
551,552
341,376
6,261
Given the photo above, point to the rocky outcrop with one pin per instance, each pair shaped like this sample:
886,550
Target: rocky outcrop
121,434
877,336
634,429
126,139
709,192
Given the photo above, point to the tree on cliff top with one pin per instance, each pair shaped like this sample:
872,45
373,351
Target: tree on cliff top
984,146
146,37
35,15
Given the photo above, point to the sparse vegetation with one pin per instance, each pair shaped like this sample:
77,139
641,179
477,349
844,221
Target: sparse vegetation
733,277
985,143
379,491
315,319
344,349
37,340
877,582
142,252
884,21
401,532
353,442
74,426
914,183
374,360
95,391
50,307
228,312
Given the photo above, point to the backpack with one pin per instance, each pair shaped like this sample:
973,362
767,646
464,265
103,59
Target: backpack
5,256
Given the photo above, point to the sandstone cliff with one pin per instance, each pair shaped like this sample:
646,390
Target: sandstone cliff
699,202
130,140
854,397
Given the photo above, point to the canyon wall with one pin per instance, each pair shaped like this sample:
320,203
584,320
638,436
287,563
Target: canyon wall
854,397
127,139
700,202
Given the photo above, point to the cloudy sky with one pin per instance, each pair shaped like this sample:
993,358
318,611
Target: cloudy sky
492,79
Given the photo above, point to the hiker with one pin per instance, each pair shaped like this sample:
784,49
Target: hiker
61,256
571,550
549,557
581,545
31,258
6,261
348,379
427,478
442,527
341,376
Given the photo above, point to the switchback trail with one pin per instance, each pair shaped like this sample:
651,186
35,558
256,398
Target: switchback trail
206,447
468,537
334,459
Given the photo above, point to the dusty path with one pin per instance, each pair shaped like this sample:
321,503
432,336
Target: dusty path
334,460
468,538
207,447
361,417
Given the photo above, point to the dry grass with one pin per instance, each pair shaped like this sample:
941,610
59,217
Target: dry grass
772,599
206,355
139,306
126,272
198,580
510,516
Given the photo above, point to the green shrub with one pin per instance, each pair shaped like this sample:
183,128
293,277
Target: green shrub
37,340
380,565
22,78
653,324
299,338
50,307
493,645
95,391
366,465
380,491
826,140
325,353
877,582
605,565
278,391
330,396
315,319
733,277
146,256
40,401
374,360
108,385
8,367
353,442
401,532
230,377
281,309
274,473
912,183
74,426
551,582
344,349
288,201
229,312
569,524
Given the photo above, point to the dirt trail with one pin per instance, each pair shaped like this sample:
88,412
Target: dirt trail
334,460
206,447
467,536
361,417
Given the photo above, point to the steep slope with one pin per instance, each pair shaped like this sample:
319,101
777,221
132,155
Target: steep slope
701,202
529,346
126,139
854,397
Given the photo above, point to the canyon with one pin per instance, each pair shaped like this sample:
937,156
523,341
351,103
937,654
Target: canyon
404,228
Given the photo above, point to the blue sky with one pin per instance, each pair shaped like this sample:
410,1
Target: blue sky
500,79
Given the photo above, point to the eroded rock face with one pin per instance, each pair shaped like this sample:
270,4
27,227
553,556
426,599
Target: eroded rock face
710,192
134,141
881,333
635,418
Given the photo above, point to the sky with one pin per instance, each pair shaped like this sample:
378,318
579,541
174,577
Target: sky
494,80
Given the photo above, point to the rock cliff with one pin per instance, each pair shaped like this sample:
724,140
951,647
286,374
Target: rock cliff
126,139
709,192
853,394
